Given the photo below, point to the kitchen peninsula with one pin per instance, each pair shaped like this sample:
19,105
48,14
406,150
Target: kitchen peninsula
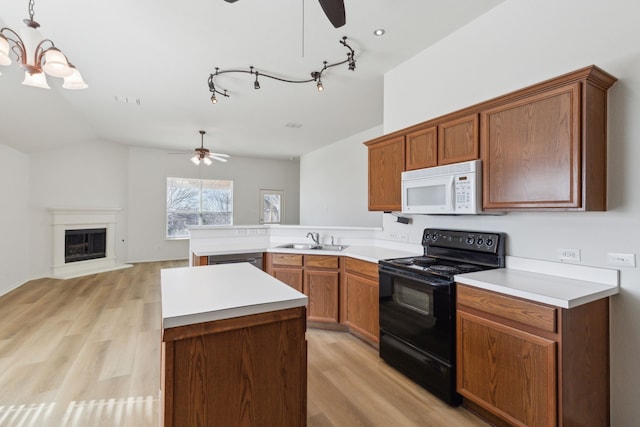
233,348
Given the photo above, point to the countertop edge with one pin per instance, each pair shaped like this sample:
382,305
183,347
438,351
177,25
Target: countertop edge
522,284
210,316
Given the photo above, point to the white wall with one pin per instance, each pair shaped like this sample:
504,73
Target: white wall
333,184
522,42
148,171
14,215
99,174
92,174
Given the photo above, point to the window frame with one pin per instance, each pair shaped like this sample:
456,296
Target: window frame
200,211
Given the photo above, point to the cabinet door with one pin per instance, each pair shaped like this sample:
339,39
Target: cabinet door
421,149
362,307
458,140
290,276
386,163
322,289
506,371
532,152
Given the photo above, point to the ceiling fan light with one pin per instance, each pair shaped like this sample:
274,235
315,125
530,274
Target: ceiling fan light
207,161
74,81
35,80
56,64
4,51
196,160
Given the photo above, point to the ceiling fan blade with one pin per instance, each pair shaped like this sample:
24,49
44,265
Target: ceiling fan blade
220,159
220,155
334,9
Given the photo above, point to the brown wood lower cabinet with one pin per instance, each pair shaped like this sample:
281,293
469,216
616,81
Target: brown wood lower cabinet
342,291
317,276
531,364
247,371
361,297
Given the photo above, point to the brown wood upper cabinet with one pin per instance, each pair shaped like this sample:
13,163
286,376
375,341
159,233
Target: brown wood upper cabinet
421,148
429,144
545,147
458,140
386,163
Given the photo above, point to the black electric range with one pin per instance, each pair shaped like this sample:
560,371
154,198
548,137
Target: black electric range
417,304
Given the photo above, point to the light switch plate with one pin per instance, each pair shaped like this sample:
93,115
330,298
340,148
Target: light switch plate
622,260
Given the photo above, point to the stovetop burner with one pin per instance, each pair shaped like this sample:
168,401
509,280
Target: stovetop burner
451,252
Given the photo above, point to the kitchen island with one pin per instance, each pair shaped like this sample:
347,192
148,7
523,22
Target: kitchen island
233,348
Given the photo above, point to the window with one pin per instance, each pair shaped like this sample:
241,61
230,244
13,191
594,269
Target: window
271,206
197,202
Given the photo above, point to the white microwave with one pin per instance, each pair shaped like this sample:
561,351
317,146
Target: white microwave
450,189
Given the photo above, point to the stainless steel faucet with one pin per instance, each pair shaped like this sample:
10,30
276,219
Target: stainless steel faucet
315,237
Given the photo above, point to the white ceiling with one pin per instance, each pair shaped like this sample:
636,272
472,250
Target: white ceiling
162,52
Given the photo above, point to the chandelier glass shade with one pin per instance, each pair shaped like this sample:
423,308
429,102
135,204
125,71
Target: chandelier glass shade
37,56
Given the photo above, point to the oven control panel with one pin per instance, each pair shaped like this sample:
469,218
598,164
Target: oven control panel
466,240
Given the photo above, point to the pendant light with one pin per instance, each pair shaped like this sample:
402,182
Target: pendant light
37,56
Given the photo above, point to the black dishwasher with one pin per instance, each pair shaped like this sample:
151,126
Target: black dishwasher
254,258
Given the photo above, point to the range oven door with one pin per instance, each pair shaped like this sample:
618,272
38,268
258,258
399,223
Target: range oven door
418,311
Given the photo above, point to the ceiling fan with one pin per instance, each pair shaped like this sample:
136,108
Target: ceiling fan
201,154
334,9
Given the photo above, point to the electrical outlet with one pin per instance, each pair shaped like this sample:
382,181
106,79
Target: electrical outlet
571,255
622,260
403,236
393,236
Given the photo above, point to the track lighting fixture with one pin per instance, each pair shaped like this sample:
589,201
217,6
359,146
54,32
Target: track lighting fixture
316,76
45,58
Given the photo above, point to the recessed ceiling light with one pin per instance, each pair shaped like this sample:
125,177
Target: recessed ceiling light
379,32
293,125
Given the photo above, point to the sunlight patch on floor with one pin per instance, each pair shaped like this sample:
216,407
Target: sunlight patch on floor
139,411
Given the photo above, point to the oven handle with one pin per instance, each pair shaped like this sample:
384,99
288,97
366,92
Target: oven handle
428,281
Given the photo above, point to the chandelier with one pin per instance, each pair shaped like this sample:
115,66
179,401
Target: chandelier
316,76
37,56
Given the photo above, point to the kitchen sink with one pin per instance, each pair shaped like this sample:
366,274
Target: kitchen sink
297,246
330,247
306,246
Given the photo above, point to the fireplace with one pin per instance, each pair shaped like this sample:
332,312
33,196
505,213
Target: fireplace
84,242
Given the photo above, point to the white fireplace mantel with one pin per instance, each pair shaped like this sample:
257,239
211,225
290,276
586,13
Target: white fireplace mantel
77,219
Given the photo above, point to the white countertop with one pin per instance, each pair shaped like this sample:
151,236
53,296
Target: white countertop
557,284
201,294
364,253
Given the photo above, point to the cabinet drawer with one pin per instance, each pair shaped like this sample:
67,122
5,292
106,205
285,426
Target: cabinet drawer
286,259
363,268
322,261
526,312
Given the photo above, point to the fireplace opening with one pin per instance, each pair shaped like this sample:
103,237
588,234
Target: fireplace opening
81,245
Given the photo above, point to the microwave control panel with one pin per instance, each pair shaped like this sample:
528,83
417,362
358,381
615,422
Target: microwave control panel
464,192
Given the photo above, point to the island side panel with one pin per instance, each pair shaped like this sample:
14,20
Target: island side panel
251,374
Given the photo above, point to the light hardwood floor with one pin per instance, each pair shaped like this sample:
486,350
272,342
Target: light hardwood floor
85,352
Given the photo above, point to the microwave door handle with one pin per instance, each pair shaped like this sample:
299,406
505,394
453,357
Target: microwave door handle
451,193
